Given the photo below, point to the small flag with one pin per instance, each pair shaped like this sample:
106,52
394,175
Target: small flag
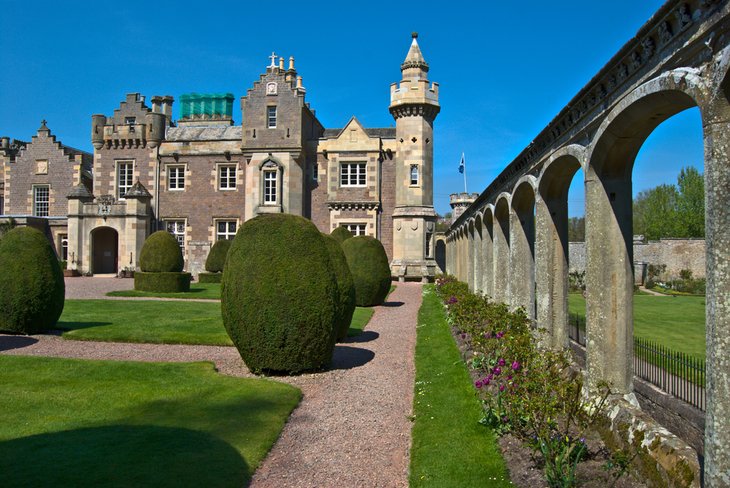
461,164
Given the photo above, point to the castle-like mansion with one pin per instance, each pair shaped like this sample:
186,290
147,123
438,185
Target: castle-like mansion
201,176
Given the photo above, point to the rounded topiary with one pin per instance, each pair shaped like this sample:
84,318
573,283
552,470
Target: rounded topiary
370,270
345,286
341,234
278,295
217,256
32,290
161,254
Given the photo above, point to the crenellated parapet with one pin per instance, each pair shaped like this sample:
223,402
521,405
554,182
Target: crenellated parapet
133,125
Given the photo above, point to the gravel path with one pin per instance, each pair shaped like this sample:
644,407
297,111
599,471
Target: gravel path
351,428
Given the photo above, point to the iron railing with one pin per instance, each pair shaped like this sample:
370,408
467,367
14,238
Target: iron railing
678,374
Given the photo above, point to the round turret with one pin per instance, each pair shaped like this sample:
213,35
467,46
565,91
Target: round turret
98,121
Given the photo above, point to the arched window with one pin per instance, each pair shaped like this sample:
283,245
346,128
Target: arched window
414,175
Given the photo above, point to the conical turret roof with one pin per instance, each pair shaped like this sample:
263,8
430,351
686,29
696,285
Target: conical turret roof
414,58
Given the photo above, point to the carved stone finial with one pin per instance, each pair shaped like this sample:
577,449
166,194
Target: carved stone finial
414,35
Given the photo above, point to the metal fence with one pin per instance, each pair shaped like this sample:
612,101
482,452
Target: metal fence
676,373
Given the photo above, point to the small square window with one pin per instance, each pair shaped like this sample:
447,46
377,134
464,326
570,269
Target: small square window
225,230
352,174
356,229
130,120
176,177
41,201
226,177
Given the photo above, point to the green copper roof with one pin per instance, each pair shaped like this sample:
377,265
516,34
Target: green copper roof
206,104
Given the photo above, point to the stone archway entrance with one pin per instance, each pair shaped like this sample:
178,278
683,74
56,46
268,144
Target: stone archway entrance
104,250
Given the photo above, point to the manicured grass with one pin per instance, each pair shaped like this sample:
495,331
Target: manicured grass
197,290
108,423
360,319
449,448
676,322
157,322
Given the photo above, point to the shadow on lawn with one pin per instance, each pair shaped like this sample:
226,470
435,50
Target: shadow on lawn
392,304
122,455
346,357
8,342
79,325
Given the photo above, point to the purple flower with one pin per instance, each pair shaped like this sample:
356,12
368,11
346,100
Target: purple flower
509,377
478,383
501,387
497,371
515,366
501,362
463,336
490,377
500,334
505,419
452,300
486,381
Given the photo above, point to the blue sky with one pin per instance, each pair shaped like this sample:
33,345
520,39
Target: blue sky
505,69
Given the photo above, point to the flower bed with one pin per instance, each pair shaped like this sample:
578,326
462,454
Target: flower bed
530,395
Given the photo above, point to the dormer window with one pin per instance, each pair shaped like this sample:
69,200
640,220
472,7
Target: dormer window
271,117
130,120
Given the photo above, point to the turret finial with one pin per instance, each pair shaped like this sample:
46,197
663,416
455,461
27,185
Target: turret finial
414,35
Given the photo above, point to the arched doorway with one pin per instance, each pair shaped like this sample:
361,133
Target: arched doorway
104,246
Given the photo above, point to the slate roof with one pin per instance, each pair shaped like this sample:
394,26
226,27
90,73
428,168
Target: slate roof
384,132
80,191
137,190
228,133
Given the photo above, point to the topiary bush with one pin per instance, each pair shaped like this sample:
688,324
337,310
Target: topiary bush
162,282
278,295
210,277
32,290
217,256
345,286
370,270
161,262
161,253
341,234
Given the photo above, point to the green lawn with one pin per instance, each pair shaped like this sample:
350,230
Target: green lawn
158,322
676,322
197,290
109,423
449,448
151,321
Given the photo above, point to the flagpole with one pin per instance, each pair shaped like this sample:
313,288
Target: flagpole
464,160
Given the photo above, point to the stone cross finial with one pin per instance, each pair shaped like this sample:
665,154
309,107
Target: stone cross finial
273,60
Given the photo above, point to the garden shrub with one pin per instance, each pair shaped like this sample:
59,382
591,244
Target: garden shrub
169,282
161,263
217,256
210,277
278,295
345,287
370,270
161,253
341,234
32,289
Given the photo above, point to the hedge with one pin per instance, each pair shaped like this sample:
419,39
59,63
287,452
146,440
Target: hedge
217,256
341,234
370,269
210,277
161,253
345,287
170,282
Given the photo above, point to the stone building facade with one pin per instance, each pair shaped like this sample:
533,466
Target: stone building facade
36,177
200,177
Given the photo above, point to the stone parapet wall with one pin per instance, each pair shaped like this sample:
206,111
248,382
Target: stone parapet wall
676,254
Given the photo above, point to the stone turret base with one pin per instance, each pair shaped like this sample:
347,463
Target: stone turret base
414,270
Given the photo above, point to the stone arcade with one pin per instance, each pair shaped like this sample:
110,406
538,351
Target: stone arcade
201,176
512,244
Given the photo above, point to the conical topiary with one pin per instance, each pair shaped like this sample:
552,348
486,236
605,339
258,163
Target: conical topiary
278,295
341,234
32,290
345,286
370,270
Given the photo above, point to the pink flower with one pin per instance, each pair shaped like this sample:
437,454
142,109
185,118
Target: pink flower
497,371
501,387
478,383
515,366
500,334
501,362
486,381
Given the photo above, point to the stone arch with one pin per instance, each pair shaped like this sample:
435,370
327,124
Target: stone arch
609,250
470,257
487,216
501,254
522,245
551,242
478,253
104,252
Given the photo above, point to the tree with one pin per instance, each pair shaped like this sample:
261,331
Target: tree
691,202
576,229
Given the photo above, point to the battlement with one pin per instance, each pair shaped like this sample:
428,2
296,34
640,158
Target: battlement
133,124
